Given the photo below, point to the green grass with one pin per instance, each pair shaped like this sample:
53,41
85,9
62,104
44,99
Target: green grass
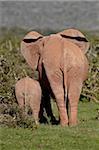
85,136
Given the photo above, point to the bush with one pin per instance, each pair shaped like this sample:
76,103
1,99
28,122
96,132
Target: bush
12,68
91,86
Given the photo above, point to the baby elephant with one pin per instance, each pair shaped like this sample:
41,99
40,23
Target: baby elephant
28,93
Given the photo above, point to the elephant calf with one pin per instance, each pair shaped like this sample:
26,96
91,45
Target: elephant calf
28,93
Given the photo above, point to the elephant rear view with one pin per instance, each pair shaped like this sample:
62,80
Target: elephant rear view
28,93
67,68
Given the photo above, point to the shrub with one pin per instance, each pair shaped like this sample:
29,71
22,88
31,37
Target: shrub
91,86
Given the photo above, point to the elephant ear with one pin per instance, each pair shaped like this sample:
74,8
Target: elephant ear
30,48
32,36
76,37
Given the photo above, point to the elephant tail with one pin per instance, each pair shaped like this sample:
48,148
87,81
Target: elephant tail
64,52
65,83
64,67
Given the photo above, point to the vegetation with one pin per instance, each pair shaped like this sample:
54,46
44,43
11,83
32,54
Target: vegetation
14,67
91,87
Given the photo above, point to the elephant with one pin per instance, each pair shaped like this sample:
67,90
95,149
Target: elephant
66,68
28,93
76,37
30,55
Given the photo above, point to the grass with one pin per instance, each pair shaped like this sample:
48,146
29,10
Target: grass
85,136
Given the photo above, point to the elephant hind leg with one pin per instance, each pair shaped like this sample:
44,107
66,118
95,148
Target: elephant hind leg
59,95
21,101
35,107
58,90
74,91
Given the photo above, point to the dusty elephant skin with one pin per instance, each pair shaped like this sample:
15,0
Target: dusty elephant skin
66,67
28,93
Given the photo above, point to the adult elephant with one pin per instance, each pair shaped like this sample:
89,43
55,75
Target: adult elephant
32,42
66,68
